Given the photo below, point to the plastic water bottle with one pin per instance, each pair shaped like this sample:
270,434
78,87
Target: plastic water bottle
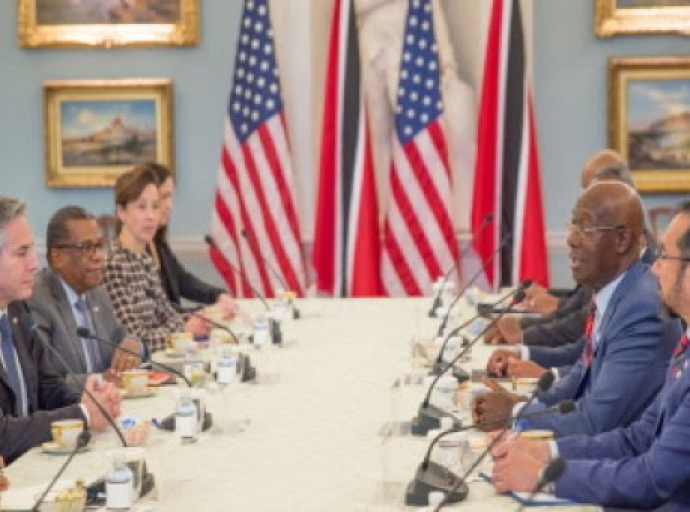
119,487
186,421
261,330
226,369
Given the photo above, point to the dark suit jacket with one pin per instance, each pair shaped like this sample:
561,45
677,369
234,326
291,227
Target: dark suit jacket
565,325
645,465
53,315
50,398
628,367
180,284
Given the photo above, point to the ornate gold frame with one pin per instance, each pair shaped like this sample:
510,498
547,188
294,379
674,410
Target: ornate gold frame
56,92
622,71
611,21
32,35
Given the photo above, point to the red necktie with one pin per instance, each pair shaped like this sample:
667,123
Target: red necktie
589,328
682,346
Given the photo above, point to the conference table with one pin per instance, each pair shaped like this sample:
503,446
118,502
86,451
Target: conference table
316,432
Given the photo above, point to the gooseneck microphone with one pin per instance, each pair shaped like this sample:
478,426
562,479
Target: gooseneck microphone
84,332
429,416
295,312
543,384
552,472
82,441
439,365
506,238
66,366
432,476
274,326
437,299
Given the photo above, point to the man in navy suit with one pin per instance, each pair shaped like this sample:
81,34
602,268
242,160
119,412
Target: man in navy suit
32,393
647,464
627,350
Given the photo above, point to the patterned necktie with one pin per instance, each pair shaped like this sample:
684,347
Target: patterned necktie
9,355
681,347
588,352
93,356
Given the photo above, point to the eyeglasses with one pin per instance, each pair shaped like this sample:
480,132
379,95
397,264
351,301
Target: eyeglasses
659,254
87,248
587,231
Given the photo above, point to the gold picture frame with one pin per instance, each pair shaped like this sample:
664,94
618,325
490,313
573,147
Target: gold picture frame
616,17
65,23
97,129
649,120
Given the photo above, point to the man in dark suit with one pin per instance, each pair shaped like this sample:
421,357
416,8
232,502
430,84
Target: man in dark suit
625,353
32,393
68,295
647,464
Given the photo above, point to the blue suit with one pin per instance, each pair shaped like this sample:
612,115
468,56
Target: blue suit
644,465
628,367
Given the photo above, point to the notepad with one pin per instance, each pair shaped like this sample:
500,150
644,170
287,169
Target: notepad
541,499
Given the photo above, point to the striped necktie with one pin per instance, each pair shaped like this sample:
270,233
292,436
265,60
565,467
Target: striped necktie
93,356
681,347
14,377
588,352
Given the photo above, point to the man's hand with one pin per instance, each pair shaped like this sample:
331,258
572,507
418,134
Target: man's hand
227,305
108,397
123,361
497,365
494,407
538,300
198,327
517,464
506,330
517,368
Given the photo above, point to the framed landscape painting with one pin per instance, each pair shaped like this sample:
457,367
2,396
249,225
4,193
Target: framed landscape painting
649,120
96,130
614,17
108,23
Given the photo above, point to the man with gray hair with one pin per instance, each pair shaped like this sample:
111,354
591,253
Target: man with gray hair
68,295
32,393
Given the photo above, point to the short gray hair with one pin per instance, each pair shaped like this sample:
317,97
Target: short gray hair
10,209
615,173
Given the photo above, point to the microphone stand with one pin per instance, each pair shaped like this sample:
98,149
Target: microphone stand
274,325
82,440
295,312
431,476
429,415
459,489
552,472
437,299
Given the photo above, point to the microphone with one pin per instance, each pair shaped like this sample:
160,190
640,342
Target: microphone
295,312
439,364
274,326
248,371
506,238
459,490
552,472
82,441
429,416
66,366
84,332
432,476
437,299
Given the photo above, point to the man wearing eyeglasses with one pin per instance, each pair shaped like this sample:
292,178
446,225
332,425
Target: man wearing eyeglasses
622,358
646,465
68,295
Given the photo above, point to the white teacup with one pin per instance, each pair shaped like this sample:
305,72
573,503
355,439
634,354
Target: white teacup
446,388
66,432
181,341
135,380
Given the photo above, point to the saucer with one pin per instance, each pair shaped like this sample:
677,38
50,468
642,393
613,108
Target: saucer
169,352
149,391
53,448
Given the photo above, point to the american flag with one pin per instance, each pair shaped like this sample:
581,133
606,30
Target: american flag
419,242
255,191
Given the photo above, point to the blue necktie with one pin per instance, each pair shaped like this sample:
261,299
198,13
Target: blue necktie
93,357
9,355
